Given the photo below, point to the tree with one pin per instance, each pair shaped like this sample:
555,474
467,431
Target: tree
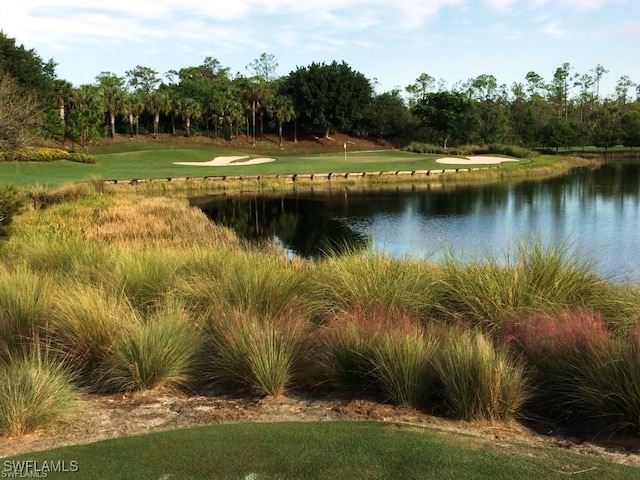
328,97
556,133
112,90
132,107
605,133
21,121
598,72
12,201
387,116
85,117
264,68
283,112
630,128
417,91
256,94
142,79
26,67
559,88
447,114
158,103
189,110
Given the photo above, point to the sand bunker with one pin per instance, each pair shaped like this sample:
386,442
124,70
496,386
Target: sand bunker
226,161
475,160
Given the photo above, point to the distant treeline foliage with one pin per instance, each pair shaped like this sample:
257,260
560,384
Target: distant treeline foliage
568,109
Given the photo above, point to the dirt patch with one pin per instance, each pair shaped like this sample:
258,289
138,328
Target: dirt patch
113,416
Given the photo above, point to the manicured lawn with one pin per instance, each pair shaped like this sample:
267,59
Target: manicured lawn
159,163
328,450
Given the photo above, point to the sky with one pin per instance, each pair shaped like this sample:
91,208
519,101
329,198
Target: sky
391,42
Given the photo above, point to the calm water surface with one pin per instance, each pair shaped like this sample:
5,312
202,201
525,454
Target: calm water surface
596,213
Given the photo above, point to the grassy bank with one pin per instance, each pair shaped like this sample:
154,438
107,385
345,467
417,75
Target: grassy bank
152,160
316,451
121,293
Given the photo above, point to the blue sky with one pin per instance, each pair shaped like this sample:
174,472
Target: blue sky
393,41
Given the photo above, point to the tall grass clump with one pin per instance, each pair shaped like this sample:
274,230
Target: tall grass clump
607,384
24,307
159,352
374,280
146,277
265,285
260,354
34,391
86,322
71,258
580,369
540,279
348,343
403,367
480,380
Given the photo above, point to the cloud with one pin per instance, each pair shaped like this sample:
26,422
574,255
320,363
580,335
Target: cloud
553,29
631,26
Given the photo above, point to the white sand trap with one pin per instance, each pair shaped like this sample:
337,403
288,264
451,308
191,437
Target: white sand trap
226,161
475,160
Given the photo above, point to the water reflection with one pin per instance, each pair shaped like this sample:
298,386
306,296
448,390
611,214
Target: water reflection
597,212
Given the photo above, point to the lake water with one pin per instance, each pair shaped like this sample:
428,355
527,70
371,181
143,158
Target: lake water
593,212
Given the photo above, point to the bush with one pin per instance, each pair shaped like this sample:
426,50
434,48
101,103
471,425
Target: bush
46,155
34,391
42,197
480,381
157,353
12,202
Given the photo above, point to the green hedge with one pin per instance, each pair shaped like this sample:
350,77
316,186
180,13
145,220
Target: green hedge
46,155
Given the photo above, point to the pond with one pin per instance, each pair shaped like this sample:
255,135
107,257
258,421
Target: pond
592,212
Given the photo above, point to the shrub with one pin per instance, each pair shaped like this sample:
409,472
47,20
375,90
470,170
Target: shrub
480,381
157,353
261,354
47,155
418,147
42,197
34,391
12,202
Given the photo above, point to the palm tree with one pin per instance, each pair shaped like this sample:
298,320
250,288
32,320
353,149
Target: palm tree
189,109
158,103
113,94
257,95
283,111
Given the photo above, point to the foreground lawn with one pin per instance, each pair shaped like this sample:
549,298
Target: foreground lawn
318,450
159,163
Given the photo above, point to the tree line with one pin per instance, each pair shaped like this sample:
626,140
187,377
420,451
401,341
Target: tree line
566,110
